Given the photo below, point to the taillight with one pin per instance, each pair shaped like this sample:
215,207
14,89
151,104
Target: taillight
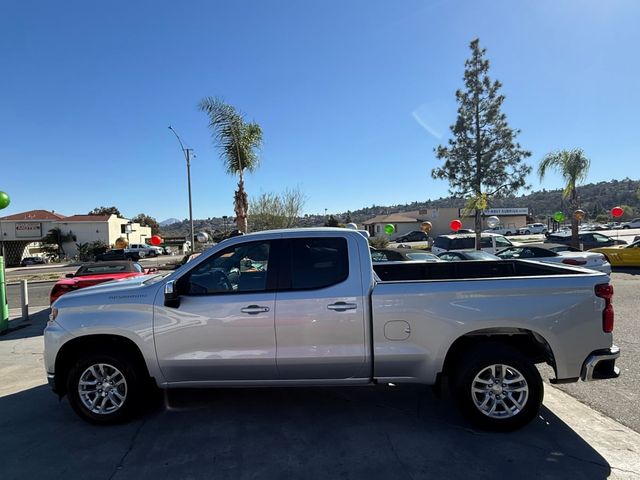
605,290
571,261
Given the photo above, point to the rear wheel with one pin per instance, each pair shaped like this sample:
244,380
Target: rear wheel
497,388
104,388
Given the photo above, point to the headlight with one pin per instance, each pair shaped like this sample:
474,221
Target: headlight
53,315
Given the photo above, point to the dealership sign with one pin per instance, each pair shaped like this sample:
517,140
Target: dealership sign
506,211
28,230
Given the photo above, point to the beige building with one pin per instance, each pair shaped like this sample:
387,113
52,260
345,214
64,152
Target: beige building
440,219
19,230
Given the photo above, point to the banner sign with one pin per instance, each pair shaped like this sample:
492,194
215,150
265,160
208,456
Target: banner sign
506,211
28,230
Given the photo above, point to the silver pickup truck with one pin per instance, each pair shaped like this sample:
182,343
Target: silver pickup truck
308,307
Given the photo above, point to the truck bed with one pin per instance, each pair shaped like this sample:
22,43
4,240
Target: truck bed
408,271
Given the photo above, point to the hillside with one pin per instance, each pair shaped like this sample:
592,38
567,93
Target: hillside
595,199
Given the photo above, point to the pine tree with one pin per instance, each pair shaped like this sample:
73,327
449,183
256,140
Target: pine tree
482,159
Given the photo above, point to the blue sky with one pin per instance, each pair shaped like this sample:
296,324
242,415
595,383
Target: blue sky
352,96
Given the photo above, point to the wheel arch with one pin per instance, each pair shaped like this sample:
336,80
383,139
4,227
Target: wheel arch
531,343
94,343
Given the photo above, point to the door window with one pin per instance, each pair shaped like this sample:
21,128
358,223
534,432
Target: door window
237,269
318,262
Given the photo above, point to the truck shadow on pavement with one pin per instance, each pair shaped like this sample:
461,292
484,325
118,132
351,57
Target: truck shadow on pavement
27,328
368,433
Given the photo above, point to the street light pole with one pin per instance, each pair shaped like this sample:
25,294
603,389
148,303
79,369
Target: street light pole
187,156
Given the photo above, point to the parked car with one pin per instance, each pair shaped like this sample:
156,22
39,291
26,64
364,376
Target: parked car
308,306
143,249
26,261
414,236
502,230
593,227
588,240
460,255
635,223
395,255
622,255
489,242
593,261
532,228
95,273
118,254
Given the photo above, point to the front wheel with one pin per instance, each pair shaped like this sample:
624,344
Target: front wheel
527,232
104,388
626,227
497,388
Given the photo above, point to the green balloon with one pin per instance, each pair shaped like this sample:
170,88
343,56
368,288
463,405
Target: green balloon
388,229
559,217
4,200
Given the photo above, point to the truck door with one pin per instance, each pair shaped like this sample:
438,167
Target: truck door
223,327
320,315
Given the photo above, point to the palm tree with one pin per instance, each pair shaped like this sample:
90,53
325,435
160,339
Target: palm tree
573,165
56,237
238,142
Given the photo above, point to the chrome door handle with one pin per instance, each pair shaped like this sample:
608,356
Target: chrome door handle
342,306
254,309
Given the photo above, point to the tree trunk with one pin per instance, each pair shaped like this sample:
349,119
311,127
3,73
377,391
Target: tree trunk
241,205
575,240
478,227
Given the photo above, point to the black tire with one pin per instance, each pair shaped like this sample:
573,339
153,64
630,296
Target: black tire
479,360
626,227
133,387
527,232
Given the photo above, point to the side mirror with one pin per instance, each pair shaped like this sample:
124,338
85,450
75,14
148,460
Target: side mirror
171,296
69,275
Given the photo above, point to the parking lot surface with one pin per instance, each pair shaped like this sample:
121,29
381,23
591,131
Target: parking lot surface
358,432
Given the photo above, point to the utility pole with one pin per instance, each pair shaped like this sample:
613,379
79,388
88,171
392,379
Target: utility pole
187,155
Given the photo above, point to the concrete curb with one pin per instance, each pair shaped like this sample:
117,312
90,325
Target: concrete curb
618,444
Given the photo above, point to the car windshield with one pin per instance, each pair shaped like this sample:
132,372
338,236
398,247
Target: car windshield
480,255
103,269
421,256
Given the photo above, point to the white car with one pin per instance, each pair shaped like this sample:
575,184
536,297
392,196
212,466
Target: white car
532,228
502,230
143,250
590,260
635,223
489,242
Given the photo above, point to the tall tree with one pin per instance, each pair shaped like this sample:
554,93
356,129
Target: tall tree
105,211
270,211
147,221
482,159
238,142
573,165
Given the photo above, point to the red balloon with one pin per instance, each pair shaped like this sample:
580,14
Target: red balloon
156,240
617,211
455,225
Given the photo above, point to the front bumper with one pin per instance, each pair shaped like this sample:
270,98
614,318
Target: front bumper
601,365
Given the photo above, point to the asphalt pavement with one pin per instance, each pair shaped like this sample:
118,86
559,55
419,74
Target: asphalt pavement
378,432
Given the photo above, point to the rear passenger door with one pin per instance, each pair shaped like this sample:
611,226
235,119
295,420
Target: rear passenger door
320,314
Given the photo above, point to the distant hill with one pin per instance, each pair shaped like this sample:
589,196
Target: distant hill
595,199
169,221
